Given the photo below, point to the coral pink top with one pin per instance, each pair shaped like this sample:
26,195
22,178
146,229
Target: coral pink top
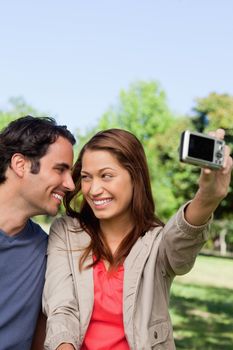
106,330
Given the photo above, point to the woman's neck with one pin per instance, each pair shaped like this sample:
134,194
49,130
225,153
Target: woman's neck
114,231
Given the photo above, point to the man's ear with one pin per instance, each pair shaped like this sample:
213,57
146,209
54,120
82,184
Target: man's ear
19,164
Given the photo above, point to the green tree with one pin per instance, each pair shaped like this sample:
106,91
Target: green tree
142,109
218,108
17,107
179,180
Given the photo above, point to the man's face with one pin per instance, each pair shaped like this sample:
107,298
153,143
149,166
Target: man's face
43,192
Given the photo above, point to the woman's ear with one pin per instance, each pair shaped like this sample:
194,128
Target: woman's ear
18,164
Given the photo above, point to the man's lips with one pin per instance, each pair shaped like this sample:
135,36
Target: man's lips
58,196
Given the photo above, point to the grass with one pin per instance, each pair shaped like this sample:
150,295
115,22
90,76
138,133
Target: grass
202,306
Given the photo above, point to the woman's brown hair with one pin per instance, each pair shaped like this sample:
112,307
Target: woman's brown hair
130,154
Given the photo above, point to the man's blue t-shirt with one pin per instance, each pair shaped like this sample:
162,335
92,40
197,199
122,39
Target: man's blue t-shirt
22,272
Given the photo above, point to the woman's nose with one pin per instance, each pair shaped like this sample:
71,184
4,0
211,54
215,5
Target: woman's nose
95,188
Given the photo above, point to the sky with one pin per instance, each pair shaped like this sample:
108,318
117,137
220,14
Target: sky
71,58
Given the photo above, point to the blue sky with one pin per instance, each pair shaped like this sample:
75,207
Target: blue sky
71,58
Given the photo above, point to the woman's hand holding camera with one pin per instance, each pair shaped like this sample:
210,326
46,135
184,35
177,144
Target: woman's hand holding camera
213,187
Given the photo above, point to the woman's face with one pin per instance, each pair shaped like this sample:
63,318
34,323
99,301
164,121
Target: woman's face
106,185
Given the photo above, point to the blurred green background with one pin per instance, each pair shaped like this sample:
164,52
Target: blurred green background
201,301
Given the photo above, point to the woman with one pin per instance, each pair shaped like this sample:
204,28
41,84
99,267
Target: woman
111,261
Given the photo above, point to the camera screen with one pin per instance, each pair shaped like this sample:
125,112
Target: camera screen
201,147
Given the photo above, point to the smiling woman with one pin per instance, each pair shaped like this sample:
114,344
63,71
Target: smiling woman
102,177
111,261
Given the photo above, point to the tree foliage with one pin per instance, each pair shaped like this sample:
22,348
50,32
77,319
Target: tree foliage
218,108
177,178
17,107
142,109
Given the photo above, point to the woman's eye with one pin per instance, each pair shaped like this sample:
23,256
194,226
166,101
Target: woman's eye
85,177
107,176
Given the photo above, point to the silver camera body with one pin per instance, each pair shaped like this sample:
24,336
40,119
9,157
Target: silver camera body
200,149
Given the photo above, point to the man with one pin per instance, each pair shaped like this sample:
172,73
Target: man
36,157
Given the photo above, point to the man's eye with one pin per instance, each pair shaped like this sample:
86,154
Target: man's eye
60,170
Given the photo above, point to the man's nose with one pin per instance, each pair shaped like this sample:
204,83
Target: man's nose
69,183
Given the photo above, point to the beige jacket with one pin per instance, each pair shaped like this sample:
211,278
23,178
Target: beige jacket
149,270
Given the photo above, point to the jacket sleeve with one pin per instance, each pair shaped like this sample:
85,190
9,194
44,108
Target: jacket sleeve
59,301
181,242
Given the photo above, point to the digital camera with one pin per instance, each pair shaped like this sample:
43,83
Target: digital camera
200,149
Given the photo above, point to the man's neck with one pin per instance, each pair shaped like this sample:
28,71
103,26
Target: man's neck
12,216
11,229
